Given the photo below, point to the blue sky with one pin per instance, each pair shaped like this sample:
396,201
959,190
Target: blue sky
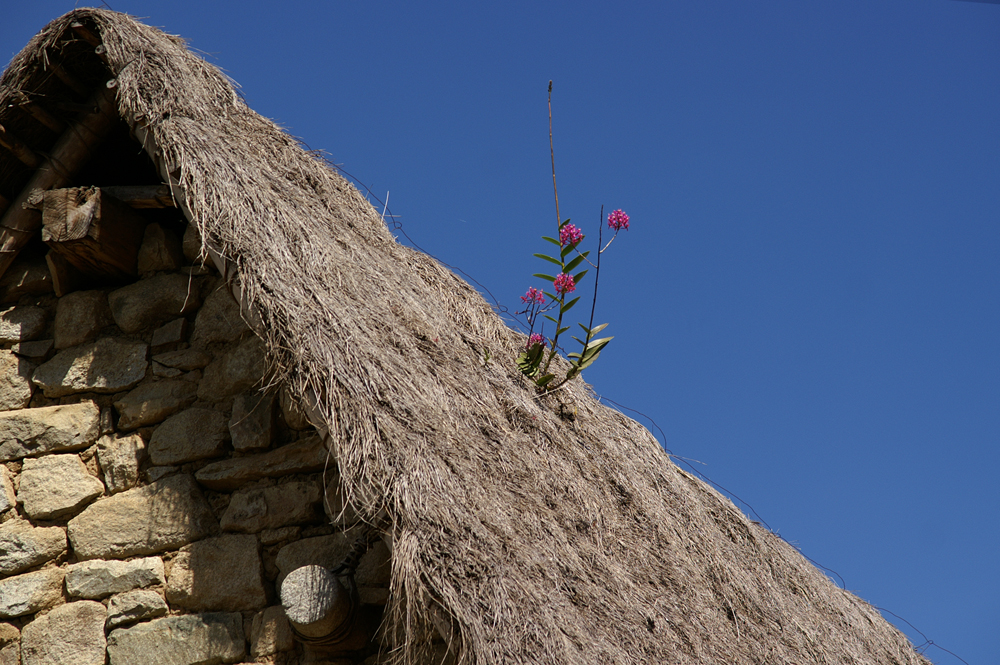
807,300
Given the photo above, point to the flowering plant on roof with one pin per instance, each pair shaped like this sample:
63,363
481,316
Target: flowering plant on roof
536,359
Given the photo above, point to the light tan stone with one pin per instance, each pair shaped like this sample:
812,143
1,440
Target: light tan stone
151,302
218,573
184,359
7,498
190,435
30,592
292,413
260,508
164,515
208,638
133,606
80,316
237,370
305,456
120,458
153,401
71,634
109,365
56,486
15,381
270,633
97,578
20,324
48,429
23,546
219,320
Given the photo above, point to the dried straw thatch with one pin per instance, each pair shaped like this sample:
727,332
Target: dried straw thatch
541,529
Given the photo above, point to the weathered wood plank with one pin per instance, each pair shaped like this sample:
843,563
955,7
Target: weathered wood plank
19,148
96,233
39,112
66,158
142,196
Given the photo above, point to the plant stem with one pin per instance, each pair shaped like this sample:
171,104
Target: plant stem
552,154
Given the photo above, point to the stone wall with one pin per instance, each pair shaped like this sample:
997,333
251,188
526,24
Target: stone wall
152,496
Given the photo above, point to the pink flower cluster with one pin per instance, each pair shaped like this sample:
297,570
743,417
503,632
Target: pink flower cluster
618,220
564,283
536,339
570,235
533,296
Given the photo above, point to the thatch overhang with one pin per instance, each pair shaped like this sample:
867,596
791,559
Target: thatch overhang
526,528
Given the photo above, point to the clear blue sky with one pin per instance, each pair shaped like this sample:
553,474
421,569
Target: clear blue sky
807,300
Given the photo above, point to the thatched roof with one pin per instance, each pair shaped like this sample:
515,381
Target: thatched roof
550,529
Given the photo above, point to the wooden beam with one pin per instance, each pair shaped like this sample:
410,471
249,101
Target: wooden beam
39,113
96,233
65,77
142,196
70,153
65,277
86,33
24,154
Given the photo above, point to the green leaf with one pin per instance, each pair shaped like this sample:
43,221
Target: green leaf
566,250
561,330
549,258
588,362
576,278
543,380
550,318
568,306
564,224
552,296
553,241
600,343
575,262
597,329
541,276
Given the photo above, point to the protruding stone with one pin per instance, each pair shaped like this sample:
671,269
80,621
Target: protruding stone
15,381
160,250
71,634
151,302
20,324
218,320
27,276
170,333
184,359
217,573
97,578
252,424
120,458
36,350
373,570
271,507
48,429
270,633
80,316
56,486
23,546
190,435
132,606
165,515
7,498
305,456
237,370
210,638
30,592
108,365
153,401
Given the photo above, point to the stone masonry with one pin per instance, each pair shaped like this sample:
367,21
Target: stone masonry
153,492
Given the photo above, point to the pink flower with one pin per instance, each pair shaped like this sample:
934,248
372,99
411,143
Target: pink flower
533,296
536,339
570,235
618,220
564,283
